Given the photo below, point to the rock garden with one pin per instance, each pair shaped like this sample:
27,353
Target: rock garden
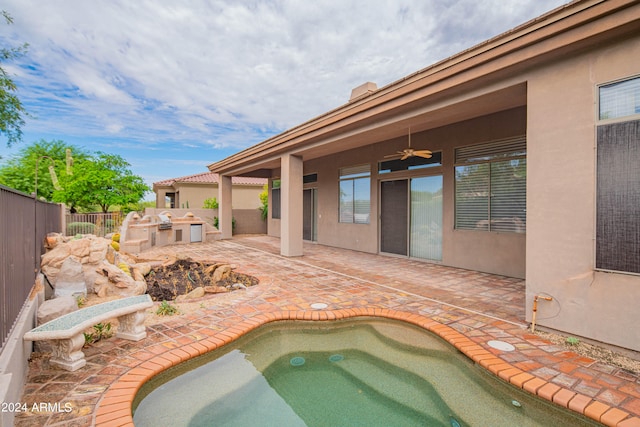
86,270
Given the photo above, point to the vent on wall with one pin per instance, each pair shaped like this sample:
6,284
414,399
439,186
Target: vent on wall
178,235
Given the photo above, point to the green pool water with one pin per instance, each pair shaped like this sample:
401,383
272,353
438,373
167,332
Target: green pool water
360,372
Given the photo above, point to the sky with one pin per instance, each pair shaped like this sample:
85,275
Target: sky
173,86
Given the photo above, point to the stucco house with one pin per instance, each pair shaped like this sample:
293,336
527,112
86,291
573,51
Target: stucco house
191,191
528,166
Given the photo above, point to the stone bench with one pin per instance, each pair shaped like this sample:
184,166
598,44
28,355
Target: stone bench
66,332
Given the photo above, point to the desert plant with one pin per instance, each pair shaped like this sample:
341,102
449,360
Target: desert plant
100,331
264,202
166,309
233,223
81,300
74,228
572,341
210,203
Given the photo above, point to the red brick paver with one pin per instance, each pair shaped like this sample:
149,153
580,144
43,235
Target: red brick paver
466,308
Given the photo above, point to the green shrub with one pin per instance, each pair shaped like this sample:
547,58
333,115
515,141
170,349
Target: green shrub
264,202
166,309
573,341
100,331
210,203
233,223
74,228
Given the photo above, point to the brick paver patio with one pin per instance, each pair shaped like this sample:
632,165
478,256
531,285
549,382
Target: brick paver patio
466,308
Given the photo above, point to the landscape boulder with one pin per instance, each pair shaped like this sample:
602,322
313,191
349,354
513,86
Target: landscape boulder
70,279
95,262
52,309
196,293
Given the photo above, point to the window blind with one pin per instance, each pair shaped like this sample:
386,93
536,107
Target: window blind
619,99
512,147
491,186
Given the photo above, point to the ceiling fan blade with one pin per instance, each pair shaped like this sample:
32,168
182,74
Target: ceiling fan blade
405,156
425,154
393,156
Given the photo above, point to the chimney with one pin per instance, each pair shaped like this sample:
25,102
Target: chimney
363,90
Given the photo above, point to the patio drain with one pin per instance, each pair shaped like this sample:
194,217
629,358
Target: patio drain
501,345
319,306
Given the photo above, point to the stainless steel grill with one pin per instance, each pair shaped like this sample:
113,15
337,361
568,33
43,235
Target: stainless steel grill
165,223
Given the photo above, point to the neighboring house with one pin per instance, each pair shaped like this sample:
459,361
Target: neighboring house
535,173
191,191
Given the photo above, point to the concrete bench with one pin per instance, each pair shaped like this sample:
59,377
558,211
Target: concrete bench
66,332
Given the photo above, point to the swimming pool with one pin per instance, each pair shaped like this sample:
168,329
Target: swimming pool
364,371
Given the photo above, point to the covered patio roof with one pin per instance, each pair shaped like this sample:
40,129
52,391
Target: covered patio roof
484,79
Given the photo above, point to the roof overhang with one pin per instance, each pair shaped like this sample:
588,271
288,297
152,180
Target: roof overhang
485,79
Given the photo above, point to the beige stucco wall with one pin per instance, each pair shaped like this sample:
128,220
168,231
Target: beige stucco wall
194,195
557,254
501,253
561,167
244,196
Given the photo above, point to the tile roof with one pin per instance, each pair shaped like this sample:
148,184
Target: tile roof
210,178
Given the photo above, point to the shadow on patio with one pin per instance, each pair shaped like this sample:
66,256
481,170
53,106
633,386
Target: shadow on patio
481,307
491,295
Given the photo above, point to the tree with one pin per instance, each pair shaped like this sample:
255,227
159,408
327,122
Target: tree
11,109
102,180
96,179
19,172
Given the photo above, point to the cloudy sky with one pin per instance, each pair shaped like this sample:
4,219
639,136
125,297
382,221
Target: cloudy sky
173,86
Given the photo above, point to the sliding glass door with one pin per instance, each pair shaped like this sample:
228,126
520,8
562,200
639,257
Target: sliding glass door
425,232
411,217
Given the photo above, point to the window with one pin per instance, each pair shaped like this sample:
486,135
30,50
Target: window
170,200
491,186
355,191
410,163
618,197
620,99
275,199
310,178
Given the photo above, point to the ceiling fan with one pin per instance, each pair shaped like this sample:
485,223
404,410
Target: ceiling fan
410,152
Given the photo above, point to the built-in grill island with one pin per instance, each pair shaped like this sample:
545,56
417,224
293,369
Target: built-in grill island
164,222
142,233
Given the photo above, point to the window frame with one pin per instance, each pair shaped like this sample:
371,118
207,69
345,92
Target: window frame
276,209
609,235
354,175
622,118
490,154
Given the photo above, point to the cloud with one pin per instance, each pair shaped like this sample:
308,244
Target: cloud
227,74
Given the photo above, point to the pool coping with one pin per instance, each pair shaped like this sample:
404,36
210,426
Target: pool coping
115,407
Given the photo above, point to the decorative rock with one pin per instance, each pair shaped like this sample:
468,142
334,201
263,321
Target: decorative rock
215,289
112,280
52,240
54,308
144,268
222,272
70,280
196,293
238,286
137,274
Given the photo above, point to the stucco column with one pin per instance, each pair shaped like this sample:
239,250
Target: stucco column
291,206
225,212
